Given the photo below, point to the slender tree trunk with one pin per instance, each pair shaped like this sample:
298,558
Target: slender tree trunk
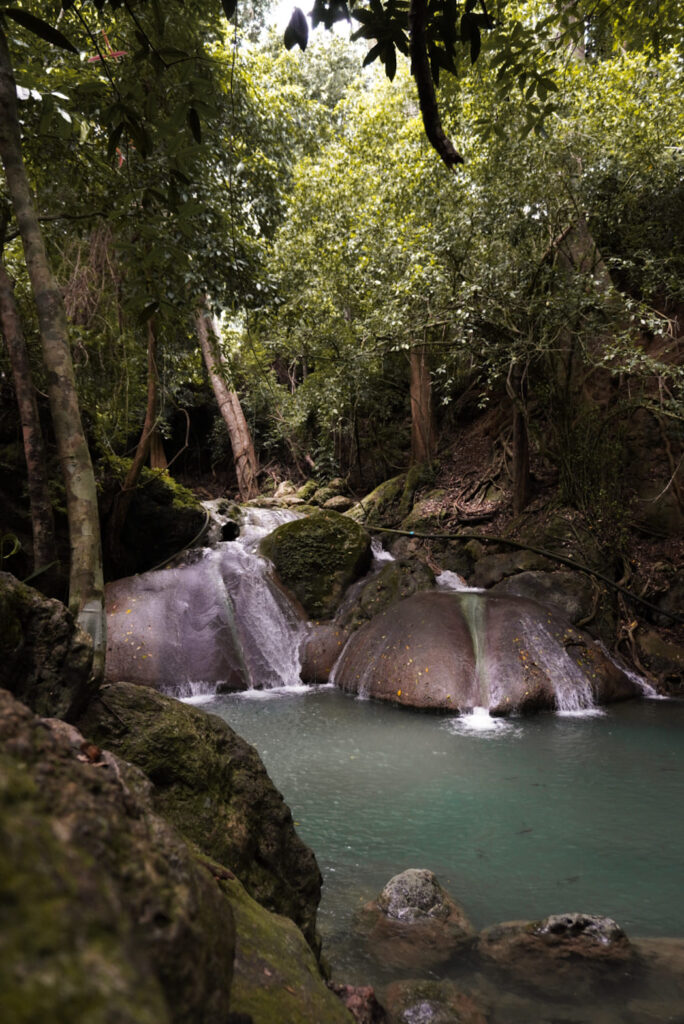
422,420
42,520
246,463
517,390
158,458
86,584
122,502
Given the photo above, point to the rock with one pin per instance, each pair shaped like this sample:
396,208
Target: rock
307,490
572,593
339,503
320,651
379,507
414,922
432,1002
361,1002
106,915
276,977
663,657
317,558
284,490
212,786
491,569
164,518
457,651
45,658
564,953
395,581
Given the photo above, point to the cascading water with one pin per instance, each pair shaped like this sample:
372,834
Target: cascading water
218,622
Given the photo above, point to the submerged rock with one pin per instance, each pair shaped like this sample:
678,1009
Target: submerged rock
212,786
414,922
318,557
433,1002
105,914
45,658
564,951
457,651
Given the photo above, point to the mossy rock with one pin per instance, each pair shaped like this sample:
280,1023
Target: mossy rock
212,786
379,507
317,558
395,581
307,490
105,915
45,658
276,976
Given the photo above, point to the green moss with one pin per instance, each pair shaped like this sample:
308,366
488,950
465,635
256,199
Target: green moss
378,507
276,976
318,557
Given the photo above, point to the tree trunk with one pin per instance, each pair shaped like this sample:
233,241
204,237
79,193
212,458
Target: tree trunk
42,520
246,464
517,391
422,420
86,584
122,502
158,458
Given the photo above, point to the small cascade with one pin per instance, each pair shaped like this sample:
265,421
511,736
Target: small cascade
572,688
451,581
473,608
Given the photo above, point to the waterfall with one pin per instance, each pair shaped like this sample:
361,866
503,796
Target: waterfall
217,622
572,687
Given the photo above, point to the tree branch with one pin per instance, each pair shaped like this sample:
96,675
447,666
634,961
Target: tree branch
420,69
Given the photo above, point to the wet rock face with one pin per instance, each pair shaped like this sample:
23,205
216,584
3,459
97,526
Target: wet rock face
105,914
45,658
433,1002
414,922
212,786
317,557
454,652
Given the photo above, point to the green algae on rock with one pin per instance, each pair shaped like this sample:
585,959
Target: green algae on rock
212,785
318,557
45,658
276,976
105,915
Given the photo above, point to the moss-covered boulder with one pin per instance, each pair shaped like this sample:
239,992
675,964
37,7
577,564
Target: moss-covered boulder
317,558
45,658
105,915
276,977
212,786
164,518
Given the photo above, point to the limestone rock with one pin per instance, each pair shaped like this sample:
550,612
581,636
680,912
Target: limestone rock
212,786
457,651
414,922
572,593
45,658
317,558
320,651
339,503
106,916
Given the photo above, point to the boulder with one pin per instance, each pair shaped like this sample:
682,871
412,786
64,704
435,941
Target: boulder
339,503
45,658
317,557
414,922
106,915
457,651
320,650
212,786
564,953
571,593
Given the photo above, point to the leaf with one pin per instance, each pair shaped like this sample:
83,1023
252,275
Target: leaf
297,32
114,137
39,28
195,124
390,61
229,8
372,54
475,43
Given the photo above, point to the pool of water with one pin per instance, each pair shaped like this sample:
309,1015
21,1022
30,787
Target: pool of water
517,818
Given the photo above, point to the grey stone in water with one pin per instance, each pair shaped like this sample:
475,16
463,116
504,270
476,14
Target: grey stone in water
584,927
414,894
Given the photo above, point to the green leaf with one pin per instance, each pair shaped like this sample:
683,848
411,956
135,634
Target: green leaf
39,28
475,43
229,8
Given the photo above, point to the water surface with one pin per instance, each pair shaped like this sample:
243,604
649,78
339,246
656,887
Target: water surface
518,818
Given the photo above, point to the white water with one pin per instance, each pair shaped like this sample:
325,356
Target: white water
448,580
572,687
